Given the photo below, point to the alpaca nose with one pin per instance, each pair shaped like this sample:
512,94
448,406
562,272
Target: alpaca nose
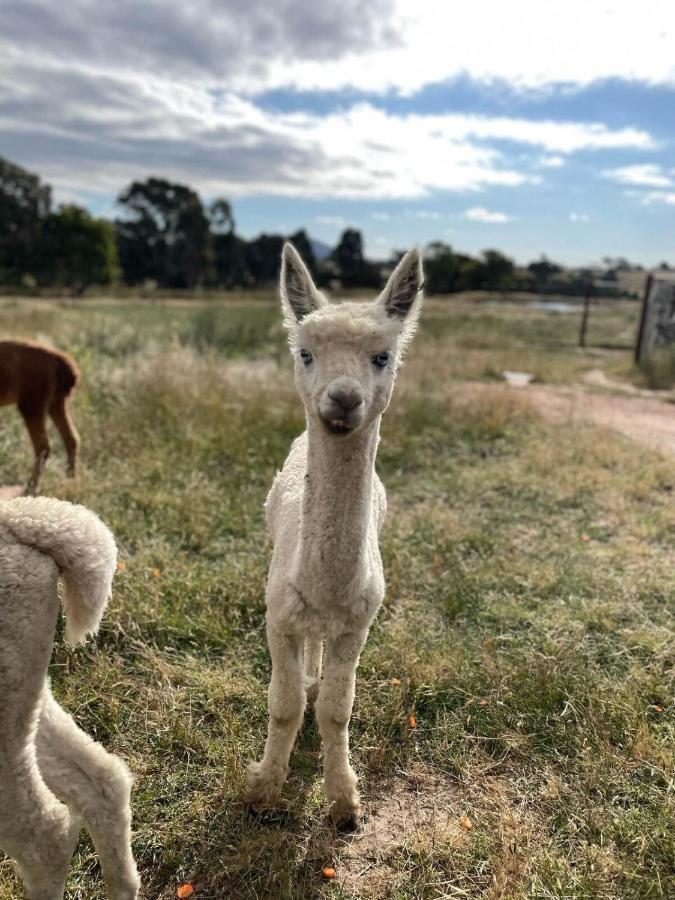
347,396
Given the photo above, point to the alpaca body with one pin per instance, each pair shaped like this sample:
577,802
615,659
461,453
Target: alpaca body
324,512
40,381
54,777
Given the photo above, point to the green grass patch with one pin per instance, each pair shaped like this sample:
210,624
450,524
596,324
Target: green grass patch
529,613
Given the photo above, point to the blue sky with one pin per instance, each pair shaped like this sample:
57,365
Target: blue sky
534,128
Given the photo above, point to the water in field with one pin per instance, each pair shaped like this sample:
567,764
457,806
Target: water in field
553,306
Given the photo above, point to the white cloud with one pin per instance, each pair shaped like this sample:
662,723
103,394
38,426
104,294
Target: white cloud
377,46
644,174
579,217
96,131
380,216
108,116
480,214
429,214
525,42
659,197
333,221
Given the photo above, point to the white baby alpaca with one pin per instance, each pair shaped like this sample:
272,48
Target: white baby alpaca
53,776
324,513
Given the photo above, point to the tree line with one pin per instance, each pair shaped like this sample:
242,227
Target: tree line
165,236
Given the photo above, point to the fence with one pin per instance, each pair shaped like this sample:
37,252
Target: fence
657,322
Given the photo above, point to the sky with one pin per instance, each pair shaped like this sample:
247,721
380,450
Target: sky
534,127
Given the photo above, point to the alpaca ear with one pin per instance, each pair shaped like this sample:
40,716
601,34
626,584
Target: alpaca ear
404,285
299,295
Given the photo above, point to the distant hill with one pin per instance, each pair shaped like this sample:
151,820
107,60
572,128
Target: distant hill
321,251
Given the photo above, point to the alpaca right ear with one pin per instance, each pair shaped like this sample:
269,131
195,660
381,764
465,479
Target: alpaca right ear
404,286
299,294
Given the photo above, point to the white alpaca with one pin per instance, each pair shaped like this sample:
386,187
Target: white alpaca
324,512
52,775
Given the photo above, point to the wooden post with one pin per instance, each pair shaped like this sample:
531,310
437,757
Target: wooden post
643,318
584,317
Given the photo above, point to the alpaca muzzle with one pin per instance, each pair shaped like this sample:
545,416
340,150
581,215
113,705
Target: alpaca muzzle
342,408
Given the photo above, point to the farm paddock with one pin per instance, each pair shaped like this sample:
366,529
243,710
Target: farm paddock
513,721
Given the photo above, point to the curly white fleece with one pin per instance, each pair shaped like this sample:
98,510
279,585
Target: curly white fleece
53,776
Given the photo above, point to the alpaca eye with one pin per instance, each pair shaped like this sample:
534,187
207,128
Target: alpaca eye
306,357
381,360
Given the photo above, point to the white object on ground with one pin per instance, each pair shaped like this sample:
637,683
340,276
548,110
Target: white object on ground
517,379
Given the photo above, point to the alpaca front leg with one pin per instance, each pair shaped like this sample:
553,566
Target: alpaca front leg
286,702
333,710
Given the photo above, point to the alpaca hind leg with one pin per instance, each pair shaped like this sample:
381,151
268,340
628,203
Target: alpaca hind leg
313,658
97,786
333,710
286,701
44,845
36,425
61,417
36,829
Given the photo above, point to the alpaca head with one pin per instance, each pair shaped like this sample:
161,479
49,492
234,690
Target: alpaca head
346,354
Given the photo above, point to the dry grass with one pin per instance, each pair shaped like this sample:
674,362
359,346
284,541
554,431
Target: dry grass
529,616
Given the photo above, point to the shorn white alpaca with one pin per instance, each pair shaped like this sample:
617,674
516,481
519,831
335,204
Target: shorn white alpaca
53,776
324,513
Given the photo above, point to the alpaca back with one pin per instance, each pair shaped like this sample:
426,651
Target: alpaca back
28,368
67,373
80,545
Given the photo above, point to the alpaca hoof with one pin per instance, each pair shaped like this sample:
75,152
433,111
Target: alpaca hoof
346,818
263,788
129,891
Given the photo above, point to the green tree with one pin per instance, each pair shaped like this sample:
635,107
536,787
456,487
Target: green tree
163,235
353,268
263,255
543,272
470,273
498,270
440,269
75,250
24,203
229,251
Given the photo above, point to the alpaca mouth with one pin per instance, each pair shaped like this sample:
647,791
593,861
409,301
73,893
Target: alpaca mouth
337,426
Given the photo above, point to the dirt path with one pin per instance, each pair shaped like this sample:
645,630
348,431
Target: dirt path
643,416
9,491
647,421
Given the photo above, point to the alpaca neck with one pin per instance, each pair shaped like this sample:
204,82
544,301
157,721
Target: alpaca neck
336,509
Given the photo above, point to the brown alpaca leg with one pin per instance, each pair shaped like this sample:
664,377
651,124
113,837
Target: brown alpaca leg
36,425
61,417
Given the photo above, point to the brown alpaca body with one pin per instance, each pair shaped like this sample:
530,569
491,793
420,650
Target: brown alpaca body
40,381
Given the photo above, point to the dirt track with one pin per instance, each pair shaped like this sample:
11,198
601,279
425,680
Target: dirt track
8,491
645,420
644,416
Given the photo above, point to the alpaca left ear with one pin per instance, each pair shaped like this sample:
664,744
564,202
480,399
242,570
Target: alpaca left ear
404,285
299,294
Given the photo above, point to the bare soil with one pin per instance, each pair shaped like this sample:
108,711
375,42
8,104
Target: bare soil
646,417
9,491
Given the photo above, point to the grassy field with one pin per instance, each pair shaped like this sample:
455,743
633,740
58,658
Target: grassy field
528,625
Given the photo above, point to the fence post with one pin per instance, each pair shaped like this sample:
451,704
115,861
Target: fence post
584,317
643,318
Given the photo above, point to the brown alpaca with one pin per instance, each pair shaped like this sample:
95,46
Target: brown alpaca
40,381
